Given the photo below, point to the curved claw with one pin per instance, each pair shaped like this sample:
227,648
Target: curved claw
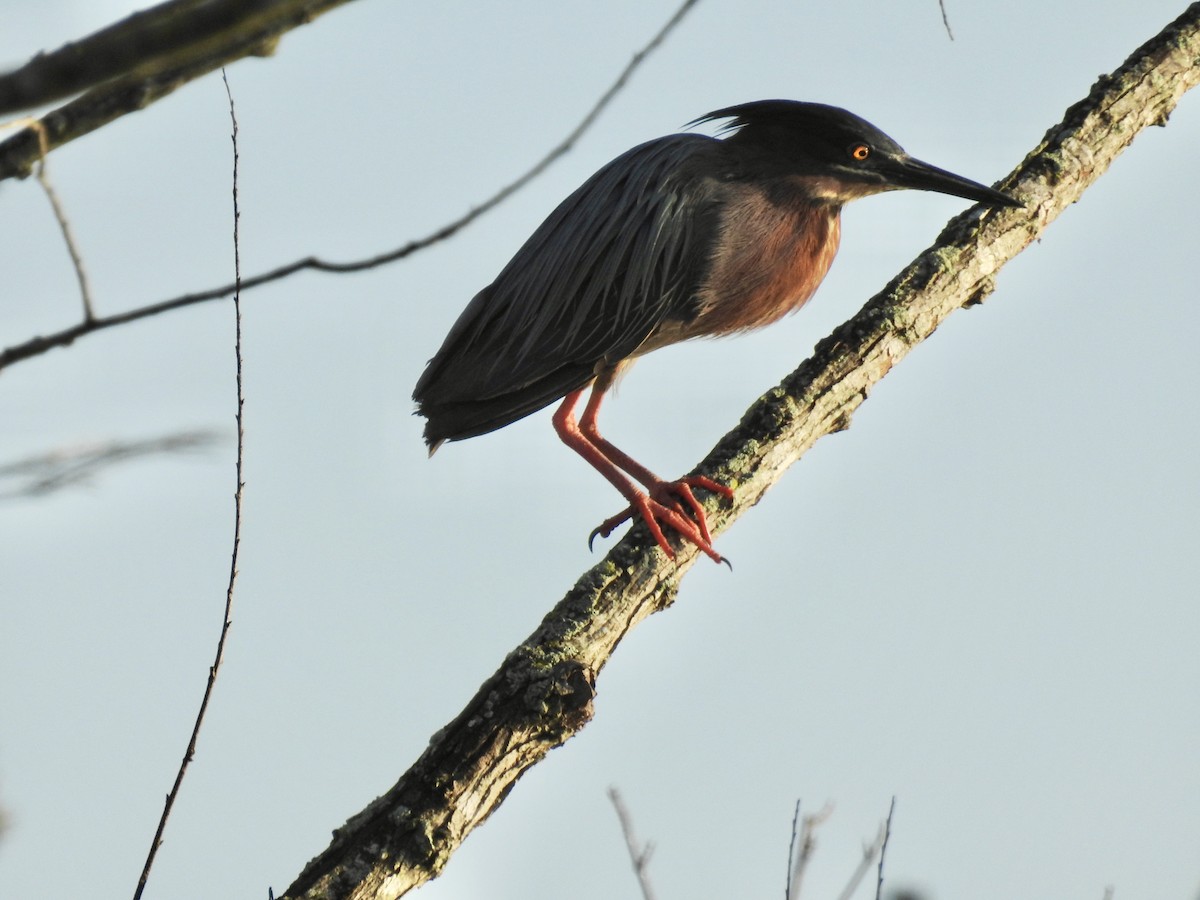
609,525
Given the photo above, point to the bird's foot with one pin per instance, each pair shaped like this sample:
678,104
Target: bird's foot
673,504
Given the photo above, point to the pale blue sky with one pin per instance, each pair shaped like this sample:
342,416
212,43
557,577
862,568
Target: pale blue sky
981,598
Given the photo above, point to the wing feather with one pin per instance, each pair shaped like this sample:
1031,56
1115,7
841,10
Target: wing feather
624,253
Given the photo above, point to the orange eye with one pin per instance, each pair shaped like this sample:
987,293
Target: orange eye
859,152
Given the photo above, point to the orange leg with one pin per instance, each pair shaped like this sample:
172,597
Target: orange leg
664,501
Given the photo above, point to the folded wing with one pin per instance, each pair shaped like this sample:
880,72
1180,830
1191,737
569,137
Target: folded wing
621,256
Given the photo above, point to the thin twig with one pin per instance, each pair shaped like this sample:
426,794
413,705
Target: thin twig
639,854
945,18
38,345
227,621
869,852
787,888
60,213
807,844
47,472
887,834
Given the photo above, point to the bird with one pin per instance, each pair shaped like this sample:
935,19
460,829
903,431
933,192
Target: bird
683,236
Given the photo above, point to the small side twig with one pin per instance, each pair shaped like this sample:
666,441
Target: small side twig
639,854
60,212
66,336
227,619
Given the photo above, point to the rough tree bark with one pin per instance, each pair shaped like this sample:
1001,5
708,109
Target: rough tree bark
542,694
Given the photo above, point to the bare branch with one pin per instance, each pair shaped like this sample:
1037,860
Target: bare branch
39,345
145,40
227,619
542,693
45,473
639,854
154,52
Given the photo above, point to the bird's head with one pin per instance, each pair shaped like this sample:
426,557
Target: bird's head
838,155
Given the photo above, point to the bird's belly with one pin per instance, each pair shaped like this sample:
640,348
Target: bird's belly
769,263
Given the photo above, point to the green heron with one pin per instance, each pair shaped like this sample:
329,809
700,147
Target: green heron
681,237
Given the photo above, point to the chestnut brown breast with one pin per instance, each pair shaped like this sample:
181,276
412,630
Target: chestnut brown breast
770,260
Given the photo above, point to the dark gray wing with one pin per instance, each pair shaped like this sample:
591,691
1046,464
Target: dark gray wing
625,252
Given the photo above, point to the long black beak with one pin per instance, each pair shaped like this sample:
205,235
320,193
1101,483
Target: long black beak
906,172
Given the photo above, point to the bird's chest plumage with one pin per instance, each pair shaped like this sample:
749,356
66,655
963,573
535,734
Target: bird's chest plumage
768,260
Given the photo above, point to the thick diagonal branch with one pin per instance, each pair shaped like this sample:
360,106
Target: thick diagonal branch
542,693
